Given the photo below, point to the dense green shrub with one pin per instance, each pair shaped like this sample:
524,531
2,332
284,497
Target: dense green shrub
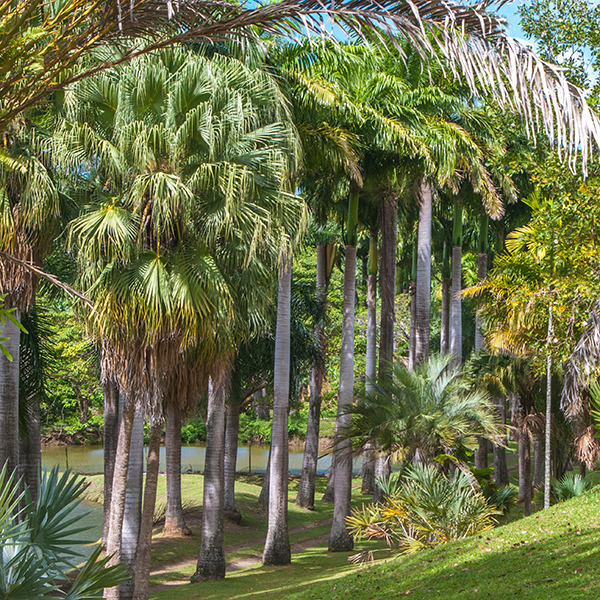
194,430
570,486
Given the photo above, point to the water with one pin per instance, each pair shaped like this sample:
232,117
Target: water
89,459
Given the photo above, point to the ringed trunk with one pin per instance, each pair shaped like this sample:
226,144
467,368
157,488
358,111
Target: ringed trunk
111,438
232,434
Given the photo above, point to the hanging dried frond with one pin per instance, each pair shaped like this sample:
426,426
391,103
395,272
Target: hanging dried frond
587,447
584,361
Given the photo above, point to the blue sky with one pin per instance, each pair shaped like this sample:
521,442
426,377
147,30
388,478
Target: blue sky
509,11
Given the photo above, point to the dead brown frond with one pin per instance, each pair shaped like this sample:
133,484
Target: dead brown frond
587,447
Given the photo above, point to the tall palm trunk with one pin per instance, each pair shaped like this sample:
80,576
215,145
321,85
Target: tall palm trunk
445,317
9,396
211,563
525,471
500,467
340,539
387,283
174,519
481,453
383,469
455,300
538,459
328,494
30,452
119,490
412,341
306,488
111,437
142,563
423,287
548,427
232,434
133,502
263,498
368,465
277,545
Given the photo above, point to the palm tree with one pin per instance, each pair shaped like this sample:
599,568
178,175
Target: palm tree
425,412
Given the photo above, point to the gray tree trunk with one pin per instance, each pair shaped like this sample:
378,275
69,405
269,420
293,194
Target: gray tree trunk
500,467
211,563
119,490
423,285
548,428
232,434
132,514
30,453
142,563
263,498
340,539
174,519
277,545
111,438
525,472
456,308
481,453
9,397
445,331
328,495
383,469
306,487
368,470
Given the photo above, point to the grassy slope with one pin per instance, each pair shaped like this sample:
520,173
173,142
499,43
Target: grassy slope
552,554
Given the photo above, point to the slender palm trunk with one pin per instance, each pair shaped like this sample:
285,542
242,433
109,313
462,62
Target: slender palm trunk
538,460
525,471
383,469
423,286
111,437
455,300
9,397
306,488
328,494
387,284
340,539
232,434
277,545
500,467
119,490
412,341
263,498
174,519
30,452
445,325
368,465
211,563
548,412
142,563
132,514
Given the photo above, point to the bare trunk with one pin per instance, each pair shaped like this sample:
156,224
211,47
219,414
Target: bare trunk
111,437
445,324
340,539
277,545
211,563
547,464
30,452
371,357
132,514
174,519
119,490
232,434
412,336
456,308
387,284
525,472
9,397
263,498
481,454
423,285
368,470
306,487
500,468
142,563
328,495
481,274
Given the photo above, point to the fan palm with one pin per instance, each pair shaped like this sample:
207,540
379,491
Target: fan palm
426,412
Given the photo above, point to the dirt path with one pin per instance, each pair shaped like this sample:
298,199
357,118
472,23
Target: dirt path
245,561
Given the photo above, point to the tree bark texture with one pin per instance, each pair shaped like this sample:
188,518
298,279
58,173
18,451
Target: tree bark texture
132,514
111,437
232,434
368,470
482,259
525,472
306,487
30,453
423,285
500,467
277,545
383,469
387,284
119,490
328,495
263,498
174,519
9,397
456,308
548,426
538,460
340,539
371,355
211,563
142,563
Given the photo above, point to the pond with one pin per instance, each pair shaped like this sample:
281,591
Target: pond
89,459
